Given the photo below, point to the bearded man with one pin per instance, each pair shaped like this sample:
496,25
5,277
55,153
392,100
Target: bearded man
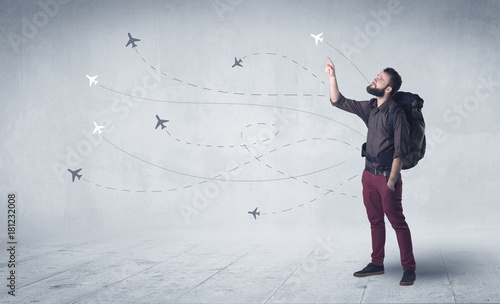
381,180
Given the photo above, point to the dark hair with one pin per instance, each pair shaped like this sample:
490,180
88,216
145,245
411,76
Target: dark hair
395,82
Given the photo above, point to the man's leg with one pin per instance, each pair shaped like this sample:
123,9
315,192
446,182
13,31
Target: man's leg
375,212
394,212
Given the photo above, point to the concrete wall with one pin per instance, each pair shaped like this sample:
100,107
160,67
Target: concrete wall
276,105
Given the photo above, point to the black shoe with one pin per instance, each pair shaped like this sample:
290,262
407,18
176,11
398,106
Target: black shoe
408,278
369,270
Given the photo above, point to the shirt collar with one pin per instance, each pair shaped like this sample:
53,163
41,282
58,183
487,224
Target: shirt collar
385,106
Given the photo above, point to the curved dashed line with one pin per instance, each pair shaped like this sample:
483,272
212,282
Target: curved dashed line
206,179
248,162
297,142
311,201
253,94
216,178
241,93
232,104
287,145
306,182
204,145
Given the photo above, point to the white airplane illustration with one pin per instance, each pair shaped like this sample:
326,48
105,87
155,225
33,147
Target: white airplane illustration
317,37
160,123
97,128
254,213
132,41
92,80
75,174
237,62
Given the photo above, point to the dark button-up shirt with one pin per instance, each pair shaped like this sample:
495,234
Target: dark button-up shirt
377,139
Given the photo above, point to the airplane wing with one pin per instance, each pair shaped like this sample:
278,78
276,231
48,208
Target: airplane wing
74,173
159,123
254,213
129,40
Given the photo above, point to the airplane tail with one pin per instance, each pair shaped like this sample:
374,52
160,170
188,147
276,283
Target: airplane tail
258,213
79,176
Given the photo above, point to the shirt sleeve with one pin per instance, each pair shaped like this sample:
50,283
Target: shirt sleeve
352,106
401,136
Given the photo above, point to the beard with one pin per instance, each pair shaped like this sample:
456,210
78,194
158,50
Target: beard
374,91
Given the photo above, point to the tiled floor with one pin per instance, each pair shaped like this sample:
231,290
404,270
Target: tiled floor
216,266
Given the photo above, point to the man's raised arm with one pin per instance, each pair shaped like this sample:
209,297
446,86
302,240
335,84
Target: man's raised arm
334,89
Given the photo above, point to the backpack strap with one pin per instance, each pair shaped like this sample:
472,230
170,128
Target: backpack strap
369,109
396,108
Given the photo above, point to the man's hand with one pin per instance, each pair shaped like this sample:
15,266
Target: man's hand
397,164
391,186
333,87
330,68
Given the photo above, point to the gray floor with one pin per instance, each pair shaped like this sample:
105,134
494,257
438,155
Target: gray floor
222,266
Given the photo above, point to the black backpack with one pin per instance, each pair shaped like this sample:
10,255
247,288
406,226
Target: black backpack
412,105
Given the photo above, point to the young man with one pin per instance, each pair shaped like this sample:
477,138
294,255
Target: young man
382,184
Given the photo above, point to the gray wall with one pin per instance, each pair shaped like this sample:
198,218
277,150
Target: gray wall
446,51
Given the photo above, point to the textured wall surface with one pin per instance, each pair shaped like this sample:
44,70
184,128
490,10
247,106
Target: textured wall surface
262,134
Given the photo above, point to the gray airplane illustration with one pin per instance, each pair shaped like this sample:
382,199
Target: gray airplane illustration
132,41
254,213
160,123
75,174
237,62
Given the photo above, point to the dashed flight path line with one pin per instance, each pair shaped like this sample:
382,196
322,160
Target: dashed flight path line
310,201
314,139
273,94
233,104
274,54
215,146
255,157
296,177
289,94
217,178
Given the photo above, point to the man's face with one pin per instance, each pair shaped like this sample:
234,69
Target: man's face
379,85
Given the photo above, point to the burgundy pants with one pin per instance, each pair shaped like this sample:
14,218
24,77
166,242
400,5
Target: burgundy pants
380,200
